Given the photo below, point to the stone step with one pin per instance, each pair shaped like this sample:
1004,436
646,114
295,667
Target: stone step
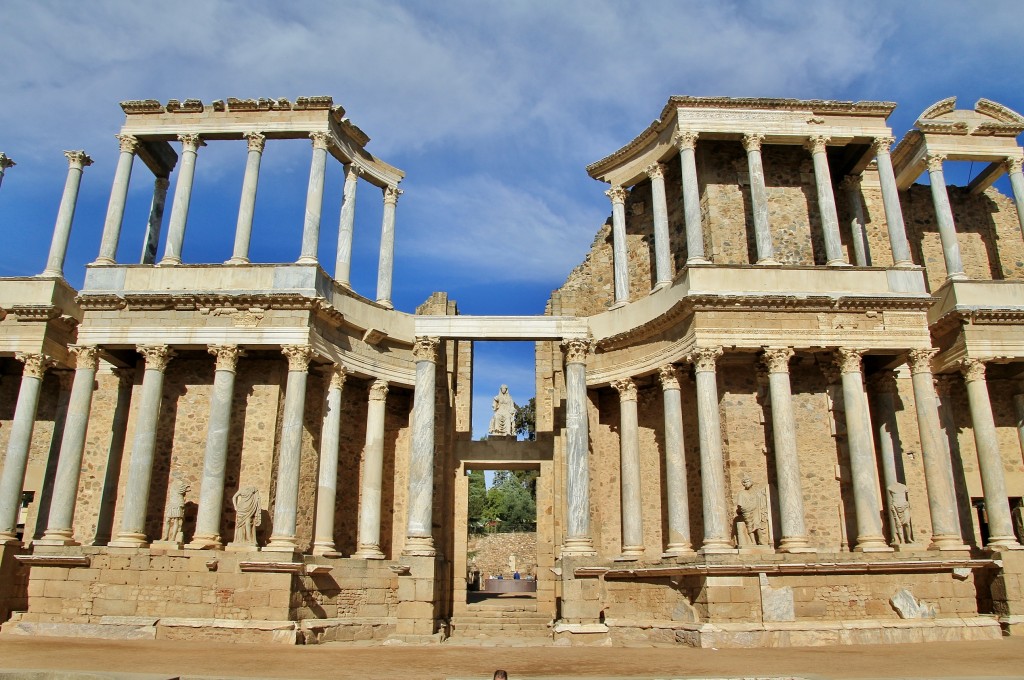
492,615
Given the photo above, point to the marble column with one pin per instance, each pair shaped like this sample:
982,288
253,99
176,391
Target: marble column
884,391
990,460
247,203
327,479
787,460
938,471
662,245
60,524
419,528
1014,170
155,222
620,255
12,479
140,465
679,540
386,264
346,226
5,162
211,493
686,142
371,483
114,454
851,184
944,217
826,202
759,199
891,203
314,198
862,453
578,541
118,197
182,197
286,497
717,536
77,160
629,470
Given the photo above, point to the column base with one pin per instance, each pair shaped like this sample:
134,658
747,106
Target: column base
51,274
630,553
205,543
60,538
678,550
769,263
307,259
368,552
717,546
618,305
660,285
958,276
104,260
872,544
796,544
904,264
281,544
325,549
578,547
419,546
238,260
129,541
169,262
948,544
838,263
386,304
697,260
998,543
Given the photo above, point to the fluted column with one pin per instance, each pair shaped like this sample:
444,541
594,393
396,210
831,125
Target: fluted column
938,470
314,198
759,199
1014,170
659,206
851,183
679,540
862,454
327,480
155,222
77,160
577,450
712,468
5,162
884,390
891,203
944,217
686,142
990,460
190,144
140,466
620,257
118,197
60,523
370,485
787,460
346,225
629,470
419,529
12,479
826,201
211,493
286,497
247,203
386,264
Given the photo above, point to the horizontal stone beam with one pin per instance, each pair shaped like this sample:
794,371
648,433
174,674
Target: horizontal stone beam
501,327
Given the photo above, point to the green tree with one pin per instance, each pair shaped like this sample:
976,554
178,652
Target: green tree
511,501
477,501
526,420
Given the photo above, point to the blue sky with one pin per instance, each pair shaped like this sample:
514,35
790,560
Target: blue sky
492,108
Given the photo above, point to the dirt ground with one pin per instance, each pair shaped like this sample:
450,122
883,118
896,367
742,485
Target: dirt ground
990,659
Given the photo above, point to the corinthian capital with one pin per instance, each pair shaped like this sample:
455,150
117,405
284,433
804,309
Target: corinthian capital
157,356
776,359
5,162
256,140
851,182
752,141
934,161
576,350
626,389
973,369
1014,164
298,356
817,143
920,360
685,139
669,377
191,142
85,356
379,390
425,349
655,170
704,358
338,373
78,159
321,139
352,172
391,194
128,143
617,194
848,360
882,144
227,356
35,364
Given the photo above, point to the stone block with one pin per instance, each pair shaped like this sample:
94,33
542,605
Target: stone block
424,590
84,575
415,610
113,607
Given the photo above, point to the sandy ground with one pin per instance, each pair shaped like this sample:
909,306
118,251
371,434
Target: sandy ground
990,659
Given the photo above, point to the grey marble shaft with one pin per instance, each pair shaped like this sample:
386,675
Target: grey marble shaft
1017,185
787,464
827,210
862,464
314,206
371,483
938,471
346,228
421,462
387,255
691,208
327,480
887,437
65,216
211,493
620,256
577,434
857,236
179,206
629,459
893,212
662,253
709,427
947,230
759,198
12,479
156,218
247,207
679,540
115,209
287,495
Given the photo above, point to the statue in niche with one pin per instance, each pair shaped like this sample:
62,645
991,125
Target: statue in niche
247,514
899,506
503,422
174,513
753,510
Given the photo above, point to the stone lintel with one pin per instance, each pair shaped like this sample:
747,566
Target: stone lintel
53,560
782,568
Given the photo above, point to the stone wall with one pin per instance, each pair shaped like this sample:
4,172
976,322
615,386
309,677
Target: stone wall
490,552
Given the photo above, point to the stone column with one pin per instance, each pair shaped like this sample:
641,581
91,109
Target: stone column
891,203
387,247
1014,170
990,460
787,460
12,479
826,202
1018,404
314,198
118,197
578,541
679,541
662,246
629,470
115,453
346,226
419,528
156,218
140,465
247,204
851,183
287,495
77,160
884,385
5,162
944,217
686,142
60,524
759,199
938,471
327,484
716,525
211,494
182,197
862,453
371,483
620,255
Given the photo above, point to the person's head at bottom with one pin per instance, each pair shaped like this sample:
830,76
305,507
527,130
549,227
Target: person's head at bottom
500,675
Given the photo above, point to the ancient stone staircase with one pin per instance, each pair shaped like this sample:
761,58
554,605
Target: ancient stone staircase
501,621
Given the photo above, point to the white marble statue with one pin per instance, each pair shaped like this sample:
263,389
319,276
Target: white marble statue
753,509
247,514
503,422
899,506
174,512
